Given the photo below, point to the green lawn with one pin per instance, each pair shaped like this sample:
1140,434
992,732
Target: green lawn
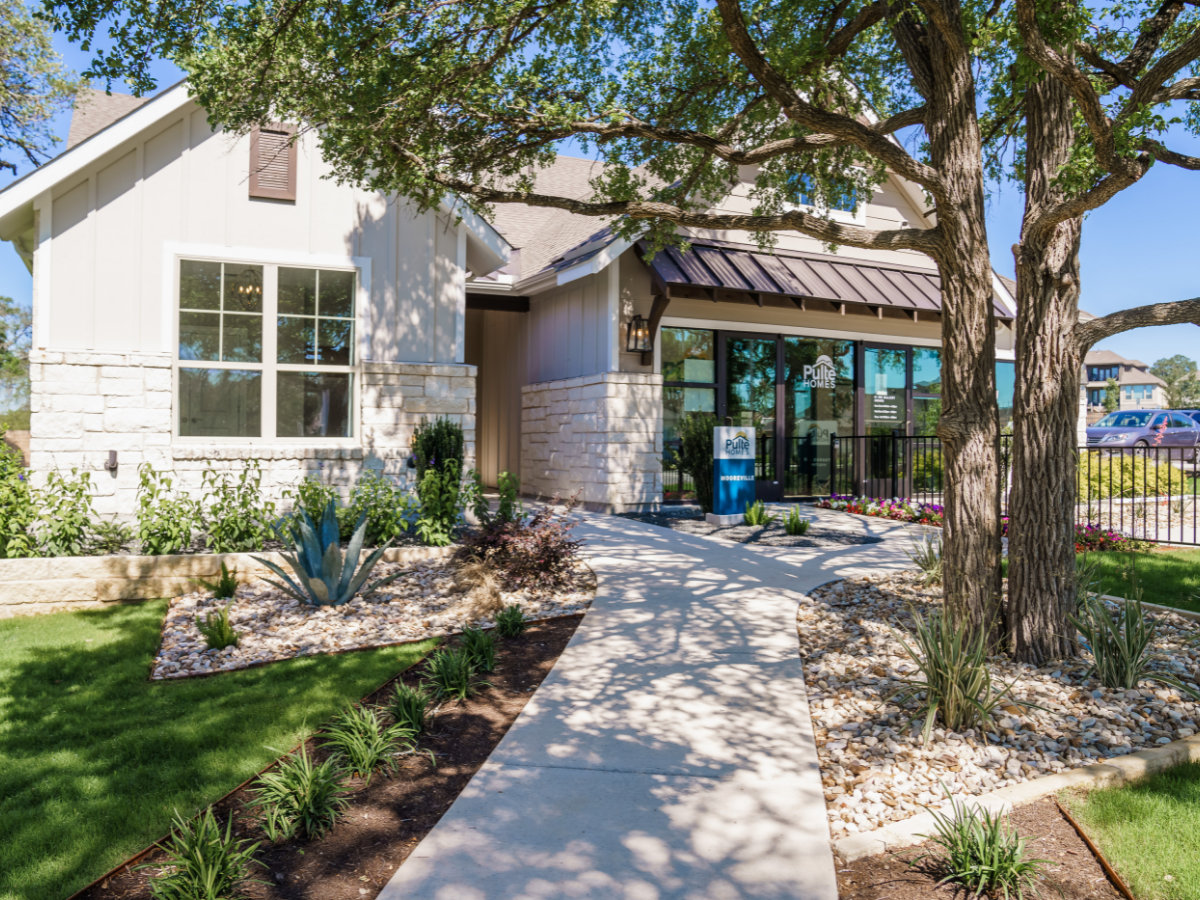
1149,831
1167,577
94,759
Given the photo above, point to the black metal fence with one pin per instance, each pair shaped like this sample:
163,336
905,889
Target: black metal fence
1151,493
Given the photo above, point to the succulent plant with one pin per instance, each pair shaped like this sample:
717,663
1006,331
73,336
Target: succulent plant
324,574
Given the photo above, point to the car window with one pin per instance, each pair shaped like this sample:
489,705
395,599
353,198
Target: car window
1124,420
1160,421
1181,421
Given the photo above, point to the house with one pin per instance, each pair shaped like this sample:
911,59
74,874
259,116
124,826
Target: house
1138,388
204,299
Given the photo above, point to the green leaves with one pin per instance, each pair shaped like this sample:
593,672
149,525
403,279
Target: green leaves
439,491
165,521
203,862
300,798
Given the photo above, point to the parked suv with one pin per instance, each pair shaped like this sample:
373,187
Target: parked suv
1146,428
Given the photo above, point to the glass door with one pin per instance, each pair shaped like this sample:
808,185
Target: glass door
818,391
751,398
886,372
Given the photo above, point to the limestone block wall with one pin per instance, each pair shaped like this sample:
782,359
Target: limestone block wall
597,434
84,405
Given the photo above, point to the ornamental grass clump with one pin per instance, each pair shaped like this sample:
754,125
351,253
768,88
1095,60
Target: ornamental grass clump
325,574
480,646
300,798
451,673
926,555
794,525
222,588
981,852
510,622
203,862
409,707
1120,642
957,683
367,744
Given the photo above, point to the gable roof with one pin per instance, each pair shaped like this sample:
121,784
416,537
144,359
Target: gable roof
96,110
1108,358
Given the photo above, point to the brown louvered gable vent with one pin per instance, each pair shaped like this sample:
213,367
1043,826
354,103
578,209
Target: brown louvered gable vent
273,163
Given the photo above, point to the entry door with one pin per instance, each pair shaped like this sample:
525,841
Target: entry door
751,399
886,383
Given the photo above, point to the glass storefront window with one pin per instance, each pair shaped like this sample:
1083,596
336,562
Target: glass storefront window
819,396
750,395
885,381
927,370
689,354
1006,388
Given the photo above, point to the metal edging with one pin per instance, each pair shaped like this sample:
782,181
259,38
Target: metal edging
1104,864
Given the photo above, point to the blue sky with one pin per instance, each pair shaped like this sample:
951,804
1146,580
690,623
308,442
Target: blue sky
1138,249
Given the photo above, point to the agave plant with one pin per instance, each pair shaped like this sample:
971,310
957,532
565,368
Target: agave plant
325,576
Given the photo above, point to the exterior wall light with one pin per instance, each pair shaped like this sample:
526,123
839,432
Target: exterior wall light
638,338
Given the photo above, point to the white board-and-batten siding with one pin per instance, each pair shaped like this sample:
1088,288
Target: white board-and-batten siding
108,234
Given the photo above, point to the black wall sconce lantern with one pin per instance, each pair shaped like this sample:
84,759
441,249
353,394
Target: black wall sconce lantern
638,340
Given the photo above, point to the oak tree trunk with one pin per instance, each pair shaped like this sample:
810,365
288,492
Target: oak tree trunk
969,424
1041,534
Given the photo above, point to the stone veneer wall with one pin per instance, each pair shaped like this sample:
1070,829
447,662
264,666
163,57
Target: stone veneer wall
598,434
85,404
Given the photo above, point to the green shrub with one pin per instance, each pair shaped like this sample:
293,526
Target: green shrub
108,536
435,442
409,707
957,681
325,575
1120,643
471,496
439,492
224,587
65,513
386,506
217,629
695,454
1103,475
757,515
480,646
984,855
164,523
237,517
510,621
203,862
509,508
359,736
300,799
926,555
794,525
18,514
452,673
311,495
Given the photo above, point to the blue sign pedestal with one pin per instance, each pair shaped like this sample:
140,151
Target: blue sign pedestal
733,474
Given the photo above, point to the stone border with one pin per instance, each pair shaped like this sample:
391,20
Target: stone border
1118,770
53,584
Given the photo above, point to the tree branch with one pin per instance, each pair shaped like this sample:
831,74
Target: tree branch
1105,190
1087,334
1170,157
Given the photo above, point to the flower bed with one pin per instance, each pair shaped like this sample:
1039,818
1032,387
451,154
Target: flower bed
1090,538
426,602
883,508
874,767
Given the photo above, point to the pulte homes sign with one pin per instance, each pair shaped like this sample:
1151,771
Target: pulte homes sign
733,474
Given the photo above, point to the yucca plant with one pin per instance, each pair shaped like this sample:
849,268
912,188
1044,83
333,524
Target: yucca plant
204,862
510,621
983,853
926,555
957,681
301,798
222,588
217,629
365,742
409,707
756,514
1087,579
794,525
452,674
1120,643
326,576
480,646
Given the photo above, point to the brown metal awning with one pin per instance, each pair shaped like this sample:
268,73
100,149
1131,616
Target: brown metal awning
720,271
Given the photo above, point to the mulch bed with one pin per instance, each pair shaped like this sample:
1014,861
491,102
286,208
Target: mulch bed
689,520
1077,875
389,817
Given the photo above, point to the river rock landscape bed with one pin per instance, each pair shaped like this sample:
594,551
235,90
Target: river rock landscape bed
874,767
427,601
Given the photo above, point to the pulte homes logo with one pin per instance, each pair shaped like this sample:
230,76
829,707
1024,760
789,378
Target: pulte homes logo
738,445
820,374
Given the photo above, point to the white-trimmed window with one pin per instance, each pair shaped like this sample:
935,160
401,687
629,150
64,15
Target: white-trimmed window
265,351
841,207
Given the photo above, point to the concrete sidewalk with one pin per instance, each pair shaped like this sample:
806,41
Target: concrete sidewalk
669,754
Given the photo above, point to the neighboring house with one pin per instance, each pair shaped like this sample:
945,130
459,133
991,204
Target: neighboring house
1138,388
200,299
